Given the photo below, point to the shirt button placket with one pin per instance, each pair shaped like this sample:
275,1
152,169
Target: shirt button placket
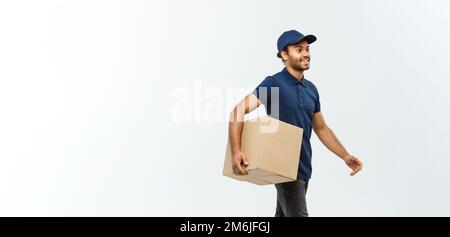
301,99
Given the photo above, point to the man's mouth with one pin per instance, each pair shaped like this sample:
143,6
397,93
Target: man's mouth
304,61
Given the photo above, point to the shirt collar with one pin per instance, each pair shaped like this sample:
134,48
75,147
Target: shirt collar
292,79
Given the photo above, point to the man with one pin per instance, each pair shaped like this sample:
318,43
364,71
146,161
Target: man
298,103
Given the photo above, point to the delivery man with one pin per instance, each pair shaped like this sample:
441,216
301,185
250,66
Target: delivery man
297,102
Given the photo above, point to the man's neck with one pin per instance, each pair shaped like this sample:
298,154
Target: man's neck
297,74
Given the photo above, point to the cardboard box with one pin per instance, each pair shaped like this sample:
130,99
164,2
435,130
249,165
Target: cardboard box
272,148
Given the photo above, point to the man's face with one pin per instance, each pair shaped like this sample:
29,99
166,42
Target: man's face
297,56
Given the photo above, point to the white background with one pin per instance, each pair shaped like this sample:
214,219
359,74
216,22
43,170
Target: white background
86,125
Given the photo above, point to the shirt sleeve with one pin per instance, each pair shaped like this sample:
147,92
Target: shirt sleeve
317,105
264,92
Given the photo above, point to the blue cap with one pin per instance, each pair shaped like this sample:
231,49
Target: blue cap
292,37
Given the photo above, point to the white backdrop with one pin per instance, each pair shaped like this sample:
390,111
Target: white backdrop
91,94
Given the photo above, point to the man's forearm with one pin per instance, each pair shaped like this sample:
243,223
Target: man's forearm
236,124
235,127
330,140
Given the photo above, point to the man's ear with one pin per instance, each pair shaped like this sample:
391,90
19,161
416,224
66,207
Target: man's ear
284,55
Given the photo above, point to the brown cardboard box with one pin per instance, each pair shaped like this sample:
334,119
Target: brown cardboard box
272,148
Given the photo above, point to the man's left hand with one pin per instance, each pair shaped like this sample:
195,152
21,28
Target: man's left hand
353,163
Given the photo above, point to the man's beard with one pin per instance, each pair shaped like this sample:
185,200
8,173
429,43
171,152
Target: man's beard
298,67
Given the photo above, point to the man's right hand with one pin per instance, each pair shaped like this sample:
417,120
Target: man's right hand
239,163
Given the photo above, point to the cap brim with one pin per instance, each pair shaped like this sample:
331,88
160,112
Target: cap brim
310,38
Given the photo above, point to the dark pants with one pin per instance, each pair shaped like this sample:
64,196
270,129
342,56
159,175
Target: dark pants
291,199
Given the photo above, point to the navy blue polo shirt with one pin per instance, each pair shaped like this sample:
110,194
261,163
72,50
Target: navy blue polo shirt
297,100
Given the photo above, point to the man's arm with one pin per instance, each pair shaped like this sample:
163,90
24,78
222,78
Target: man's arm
330,140
246,105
